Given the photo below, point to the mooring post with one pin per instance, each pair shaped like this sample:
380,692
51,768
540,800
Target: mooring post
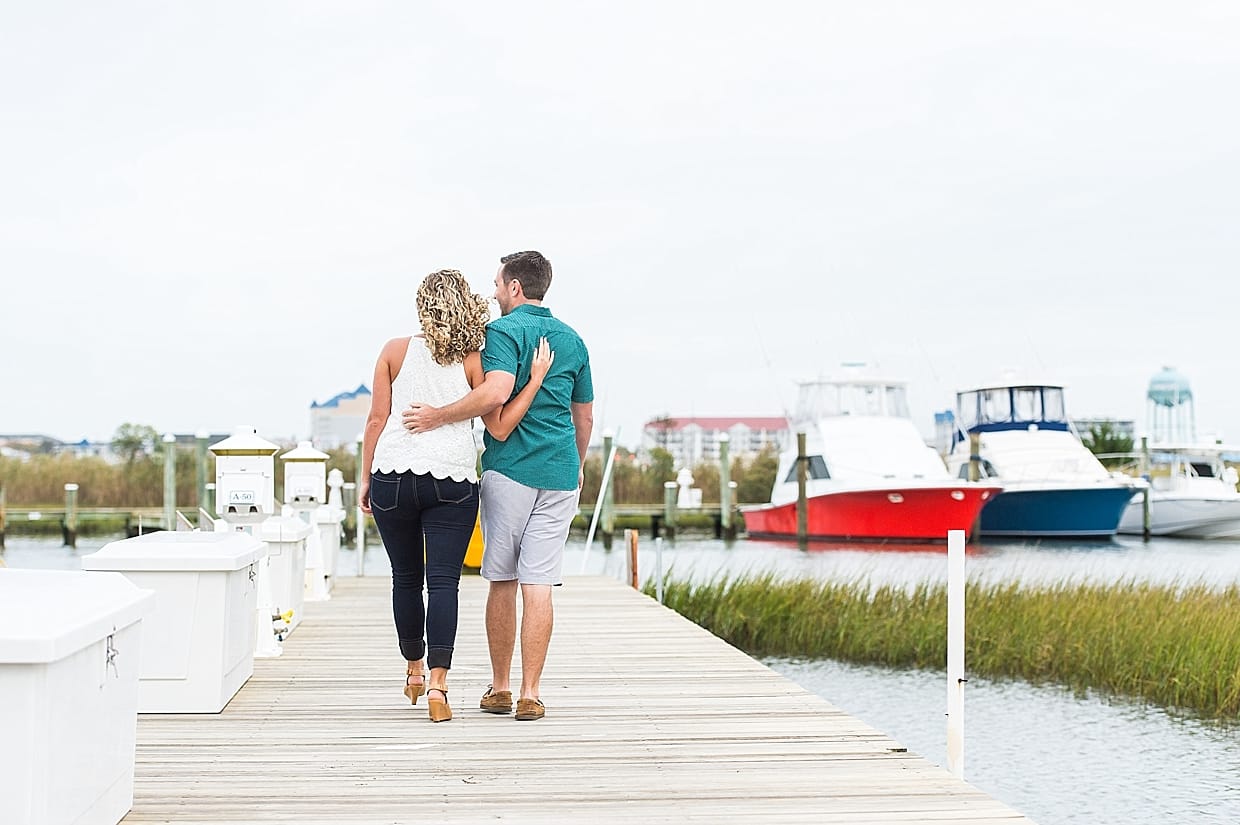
726,524
608,515
955,652
630,558
360,538
2,516
200,476
975,474
349,497
975,456
1145,493
670,489
70,527
658,569
170,481
802,503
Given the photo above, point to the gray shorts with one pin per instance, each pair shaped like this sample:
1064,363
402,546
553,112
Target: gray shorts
524,530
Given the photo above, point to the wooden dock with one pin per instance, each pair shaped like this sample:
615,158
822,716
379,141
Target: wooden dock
650,719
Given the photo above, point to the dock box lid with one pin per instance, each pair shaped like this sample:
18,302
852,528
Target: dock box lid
47,615
183,550
283,528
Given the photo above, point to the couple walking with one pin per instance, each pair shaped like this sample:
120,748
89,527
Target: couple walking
530,384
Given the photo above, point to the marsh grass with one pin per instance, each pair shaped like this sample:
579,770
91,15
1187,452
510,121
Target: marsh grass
1173,645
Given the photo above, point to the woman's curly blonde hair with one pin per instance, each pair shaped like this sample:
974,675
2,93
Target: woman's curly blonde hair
453,316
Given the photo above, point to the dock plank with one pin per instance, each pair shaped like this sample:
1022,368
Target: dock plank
650,719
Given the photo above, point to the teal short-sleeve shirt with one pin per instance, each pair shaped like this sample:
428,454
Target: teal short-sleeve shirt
542,451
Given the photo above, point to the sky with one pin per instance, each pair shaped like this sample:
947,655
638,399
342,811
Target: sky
216,213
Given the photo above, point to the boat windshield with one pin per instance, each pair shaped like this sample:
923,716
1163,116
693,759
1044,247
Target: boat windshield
822,399
1006,408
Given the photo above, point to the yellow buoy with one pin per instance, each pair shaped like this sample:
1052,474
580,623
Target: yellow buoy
473,555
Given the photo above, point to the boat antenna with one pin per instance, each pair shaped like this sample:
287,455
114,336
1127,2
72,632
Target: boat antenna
770,369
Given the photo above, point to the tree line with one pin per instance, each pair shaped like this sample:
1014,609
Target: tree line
135,477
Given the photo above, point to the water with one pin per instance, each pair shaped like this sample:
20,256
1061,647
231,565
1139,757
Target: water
1055,756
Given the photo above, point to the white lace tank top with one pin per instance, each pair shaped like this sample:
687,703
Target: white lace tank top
445,452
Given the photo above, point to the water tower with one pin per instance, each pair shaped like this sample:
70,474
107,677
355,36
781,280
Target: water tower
1169,403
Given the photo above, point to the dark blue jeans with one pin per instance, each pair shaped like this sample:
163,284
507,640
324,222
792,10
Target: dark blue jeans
426,524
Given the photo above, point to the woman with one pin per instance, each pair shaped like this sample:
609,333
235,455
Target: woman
422,488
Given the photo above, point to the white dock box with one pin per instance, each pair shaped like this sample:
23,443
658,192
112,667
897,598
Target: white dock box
285,537
70,651
198,645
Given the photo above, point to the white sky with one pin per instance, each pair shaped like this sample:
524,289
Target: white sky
216,213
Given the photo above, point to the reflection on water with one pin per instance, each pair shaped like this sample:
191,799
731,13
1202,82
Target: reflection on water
1054,756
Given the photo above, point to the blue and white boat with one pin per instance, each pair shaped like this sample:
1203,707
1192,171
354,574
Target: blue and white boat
1053,487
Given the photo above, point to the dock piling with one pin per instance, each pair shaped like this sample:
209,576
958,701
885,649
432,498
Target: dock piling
727,523
360,536
200,477
70,525
955,652
670,491
608,516
2,515
802,502
349,527
170,481
1145,493
658,569
630,559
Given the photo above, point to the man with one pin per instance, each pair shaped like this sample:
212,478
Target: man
531,480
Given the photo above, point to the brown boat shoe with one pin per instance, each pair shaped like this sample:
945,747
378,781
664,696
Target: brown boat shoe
496,701
530,709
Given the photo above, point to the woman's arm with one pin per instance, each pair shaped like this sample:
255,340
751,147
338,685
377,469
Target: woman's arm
502,421
380,409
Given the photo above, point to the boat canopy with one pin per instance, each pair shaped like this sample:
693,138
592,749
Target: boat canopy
852,396
993,409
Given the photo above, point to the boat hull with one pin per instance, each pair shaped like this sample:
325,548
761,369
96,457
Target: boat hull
1067,512
1183,517
913,513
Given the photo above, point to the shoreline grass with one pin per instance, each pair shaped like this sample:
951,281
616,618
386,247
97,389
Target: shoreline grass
1172,645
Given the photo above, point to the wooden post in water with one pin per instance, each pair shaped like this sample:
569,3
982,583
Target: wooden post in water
975,456
607,519
670,489
727,527
2,515
170,481
802,502
70,526
630,558
200,475
348,494
975,474
1145,493
359,540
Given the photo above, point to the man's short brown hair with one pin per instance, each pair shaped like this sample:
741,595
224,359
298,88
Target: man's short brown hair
531,269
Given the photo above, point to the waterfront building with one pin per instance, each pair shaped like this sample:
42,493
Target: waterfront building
694,440
340,419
